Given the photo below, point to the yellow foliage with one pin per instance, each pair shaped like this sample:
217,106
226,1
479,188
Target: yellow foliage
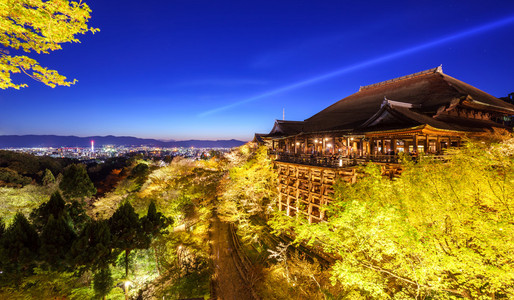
38,26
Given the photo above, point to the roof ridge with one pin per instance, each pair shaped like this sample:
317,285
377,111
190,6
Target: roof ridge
429,71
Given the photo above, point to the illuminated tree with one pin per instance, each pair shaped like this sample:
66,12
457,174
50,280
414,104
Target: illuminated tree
249,190
126,231
442,230
154,222
38,26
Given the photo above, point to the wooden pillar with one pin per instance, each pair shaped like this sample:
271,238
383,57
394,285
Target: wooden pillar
393,145
426,144
280,201
438,145
382,147
415,143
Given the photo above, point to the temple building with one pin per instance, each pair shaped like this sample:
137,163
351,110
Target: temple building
426,112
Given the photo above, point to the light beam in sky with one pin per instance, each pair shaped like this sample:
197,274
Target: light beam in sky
393,55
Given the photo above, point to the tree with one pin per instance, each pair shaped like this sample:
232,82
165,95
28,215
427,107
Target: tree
38,26
54,207
19,248
11,177
126,231
77,215
48,178
248,190
56,241
153,224
442,230
139,173
76,183
102,282
93,248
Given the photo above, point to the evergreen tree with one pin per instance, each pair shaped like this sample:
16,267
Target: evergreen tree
93,248
54,207
126,230
77,214
19,248
154,222
48,178
76,183
102,282
139,173
56,240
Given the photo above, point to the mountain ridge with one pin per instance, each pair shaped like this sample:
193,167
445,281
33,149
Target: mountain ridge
31,141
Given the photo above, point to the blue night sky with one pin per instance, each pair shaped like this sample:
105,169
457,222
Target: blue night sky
182,69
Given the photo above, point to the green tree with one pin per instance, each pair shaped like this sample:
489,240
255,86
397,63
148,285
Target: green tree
56,241
249,190
77,214
102,282
92,248
154,222
442,230
48,177
38,26
139,173
19,248
54,207
10,177
76,183
126,231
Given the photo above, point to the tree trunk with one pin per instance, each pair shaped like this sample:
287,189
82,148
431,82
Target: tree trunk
126,262
156,260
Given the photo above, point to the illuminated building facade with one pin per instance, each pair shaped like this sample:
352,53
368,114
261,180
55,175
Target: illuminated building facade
426,112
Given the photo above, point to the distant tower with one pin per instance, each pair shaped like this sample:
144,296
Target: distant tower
283,114
92,148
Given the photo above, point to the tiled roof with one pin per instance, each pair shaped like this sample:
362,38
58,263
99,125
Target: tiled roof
427,90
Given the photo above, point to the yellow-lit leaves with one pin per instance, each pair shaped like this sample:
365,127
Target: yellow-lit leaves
39,26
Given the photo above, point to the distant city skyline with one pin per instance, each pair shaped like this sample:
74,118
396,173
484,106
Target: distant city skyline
224,70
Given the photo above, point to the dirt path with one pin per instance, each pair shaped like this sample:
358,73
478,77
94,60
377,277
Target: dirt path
228,282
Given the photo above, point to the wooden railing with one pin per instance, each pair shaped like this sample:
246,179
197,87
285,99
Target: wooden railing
345,161
335,162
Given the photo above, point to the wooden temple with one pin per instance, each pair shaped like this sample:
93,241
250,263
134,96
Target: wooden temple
426,112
